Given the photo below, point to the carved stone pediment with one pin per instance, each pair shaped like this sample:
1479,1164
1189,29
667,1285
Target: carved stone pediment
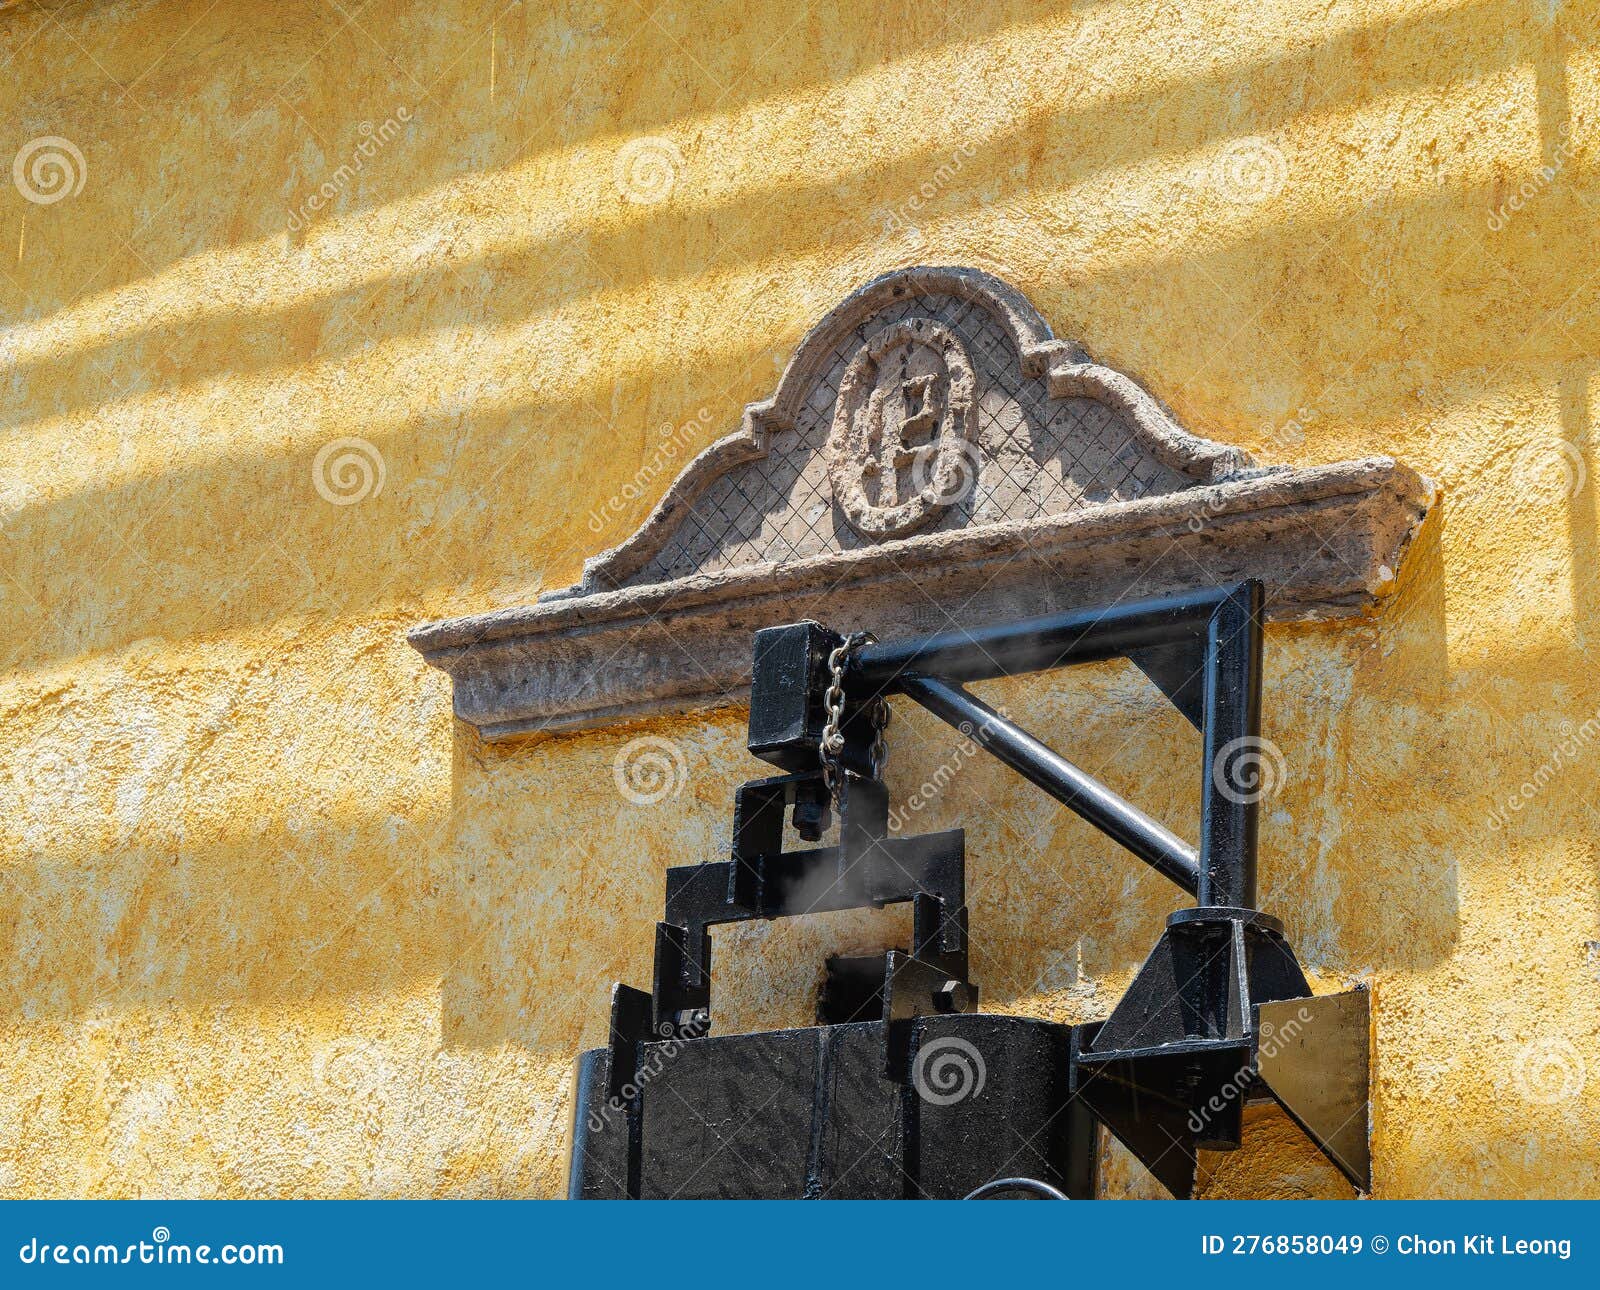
932,455
1026,427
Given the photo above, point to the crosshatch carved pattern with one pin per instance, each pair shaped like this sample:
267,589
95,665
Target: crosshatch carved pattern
1038,456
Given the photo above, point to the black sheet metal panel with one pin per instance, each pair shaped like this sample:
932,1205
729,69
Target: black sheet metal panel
1314,1058
1171,1069
731,1116
1015,1118
809,1114
1166,1098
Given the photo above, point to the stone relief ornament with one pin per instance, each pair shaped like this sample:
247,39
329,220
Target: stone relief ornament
933,455
903,427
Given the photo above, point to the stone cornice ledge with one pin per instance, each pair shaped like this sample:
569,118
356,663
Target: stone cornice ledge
1327,541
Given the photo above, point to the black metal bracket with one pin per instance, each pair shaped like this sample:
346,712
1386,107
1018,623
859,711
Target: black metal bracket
1219,1015
866,868
1201,649
1187,1047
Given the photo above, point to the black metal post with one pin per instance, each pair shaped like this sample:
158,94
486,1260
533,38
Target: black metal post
1231,796
1042,766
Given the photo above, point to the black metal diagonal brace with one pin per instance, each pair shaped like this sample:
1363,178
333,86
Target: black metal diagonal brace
1203,649
1045,768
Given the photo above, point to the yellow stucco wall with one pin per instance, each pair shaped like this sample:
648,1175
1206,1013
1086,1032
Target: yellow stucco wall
271,924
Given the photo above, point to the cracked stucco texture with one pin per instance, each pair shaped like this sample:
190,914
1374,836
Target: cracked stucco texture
271,924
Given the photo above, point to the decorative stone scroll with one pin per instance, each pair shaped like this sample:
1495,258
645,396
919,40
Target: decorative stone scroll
932,457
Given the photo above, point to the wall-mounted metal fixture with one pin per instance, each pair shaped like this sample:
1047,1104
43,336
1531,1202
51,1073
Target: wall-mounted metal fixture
1220,1014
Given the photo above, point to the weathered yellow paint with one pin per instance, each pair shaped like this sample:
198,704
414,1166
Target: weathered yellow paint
272,925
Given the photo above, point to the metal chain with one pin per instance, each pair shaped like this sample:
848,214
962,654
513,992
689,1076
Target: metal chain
832,742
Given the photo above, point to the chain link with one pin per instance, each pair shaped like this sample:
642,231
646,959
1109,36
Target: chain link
832,742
